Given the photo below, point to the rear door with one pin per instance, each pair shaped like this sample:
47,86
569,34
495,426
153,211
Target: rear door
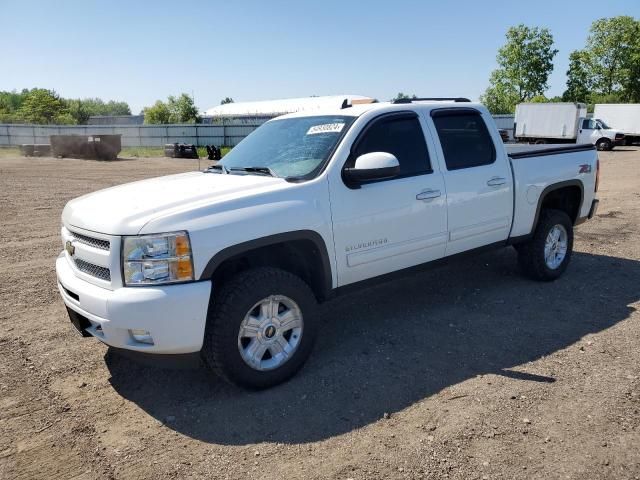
477,177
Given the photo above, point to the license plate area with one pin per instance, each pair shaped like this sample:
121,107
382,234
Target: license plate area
79,322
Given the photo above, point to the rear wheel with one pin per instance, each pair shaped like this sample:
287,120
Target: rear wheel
547,255
261,328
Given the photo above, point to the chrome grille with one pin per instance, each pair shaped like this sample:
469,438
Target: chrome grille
92,242
97,271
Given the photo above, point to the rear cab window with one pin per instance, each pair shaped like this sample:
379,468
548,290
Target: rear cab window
464,137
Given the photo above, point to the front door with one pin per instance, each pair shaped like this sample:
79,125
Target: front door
391,224
588,131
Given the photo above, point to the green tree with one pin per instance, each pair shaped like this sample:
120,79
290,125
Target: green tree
42,106
402,96
182,109
65,119
10,102
78,111
579,78
97,106
82,109
157,114
500,98
613,47
525,62
46,106
539,99
226,100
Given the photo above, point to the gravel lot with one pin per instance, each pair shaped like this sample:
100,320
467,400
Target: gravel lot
468,371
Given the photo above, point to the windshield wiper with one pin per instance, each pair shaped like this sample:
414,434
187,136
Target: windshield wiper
260,170
218,166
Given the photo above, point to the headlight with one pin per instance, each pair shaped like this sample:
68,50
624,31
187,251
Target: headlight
157,259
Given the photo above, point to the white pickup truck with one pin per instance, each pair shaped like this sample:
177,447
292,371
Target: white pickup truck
232,261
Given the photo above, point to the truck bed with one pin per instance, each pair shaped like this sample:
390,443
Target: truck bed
535,167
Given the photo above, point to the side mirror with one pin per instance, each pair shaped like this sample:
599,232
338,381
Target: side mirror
372,166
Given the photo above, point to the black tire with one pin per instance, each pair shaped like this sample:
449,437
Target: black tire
227,310
531,253
604,144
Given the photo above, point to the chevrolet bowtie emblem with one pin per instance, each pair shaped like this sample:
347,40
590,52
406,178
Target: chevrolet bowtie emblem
70,248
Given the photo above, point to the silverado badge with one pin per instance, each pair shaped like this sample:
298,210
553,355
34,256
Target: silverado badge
70,248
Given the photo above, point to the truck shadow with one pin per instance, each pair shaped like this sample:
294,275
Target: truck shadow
626,148
386,348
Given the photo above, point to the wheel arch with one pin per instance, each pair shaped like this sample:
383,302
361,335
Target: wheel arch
301,252
567,196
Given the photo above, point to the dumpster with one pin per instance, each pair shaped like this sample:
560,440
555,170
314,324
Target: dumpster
101,147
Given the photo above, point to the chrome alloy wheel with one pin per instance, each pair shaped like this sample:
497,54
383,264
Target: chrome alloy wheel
555,246
270,332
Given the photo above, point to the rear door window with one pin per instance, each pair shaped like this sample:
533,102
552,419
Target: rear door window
465,140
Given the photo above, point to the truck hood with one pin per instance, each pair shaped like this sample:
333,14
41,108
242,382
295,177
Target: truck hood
126,209
611,132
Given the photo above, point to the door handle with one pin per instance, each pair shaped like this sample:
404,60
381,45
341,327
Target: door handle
496,181
428,195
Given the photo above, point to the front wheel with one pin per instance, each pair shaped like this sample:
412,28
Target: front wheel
261,328
546,256
604,144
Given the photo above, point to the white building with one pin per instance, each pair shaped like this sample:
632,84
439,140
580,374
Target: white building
273,108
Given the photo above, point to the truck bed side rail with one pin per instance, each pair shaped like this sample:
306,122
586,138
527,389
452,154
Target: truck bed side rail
556,150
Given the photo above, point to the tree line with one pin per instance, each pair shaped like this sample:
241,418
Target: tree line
180,109
43,106
606,70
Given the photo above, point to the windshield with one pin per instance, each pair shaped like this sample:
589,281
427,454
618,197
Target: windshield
291,147
603,125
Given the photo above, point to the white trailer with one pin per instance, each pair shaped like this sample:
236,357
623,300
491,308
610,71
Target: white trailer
549,120
562,123
621,116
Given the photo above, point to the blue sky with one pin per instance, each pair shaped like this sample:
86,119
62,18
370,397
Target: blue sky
251,50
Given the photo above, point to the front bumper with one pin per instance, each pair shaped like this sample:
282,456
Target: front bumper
175,315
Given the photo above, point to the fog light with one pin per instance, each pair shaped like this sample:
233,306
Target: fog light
141,336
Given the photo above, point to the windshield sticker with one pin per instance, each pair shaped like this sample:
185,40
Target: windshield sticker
326,128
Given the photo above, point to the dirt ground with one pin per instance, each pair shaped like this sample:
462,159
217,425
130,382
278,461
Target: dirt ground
468,371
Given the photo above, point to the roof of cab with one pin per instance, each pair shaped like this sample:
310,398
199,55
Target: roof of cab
360,109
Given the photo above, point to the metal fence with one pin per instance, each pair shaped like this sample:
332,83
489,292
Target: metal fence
228,132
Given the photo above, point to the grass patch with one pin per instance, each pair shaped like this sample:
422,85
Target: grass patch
148,152
9,152
127,152
142,152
